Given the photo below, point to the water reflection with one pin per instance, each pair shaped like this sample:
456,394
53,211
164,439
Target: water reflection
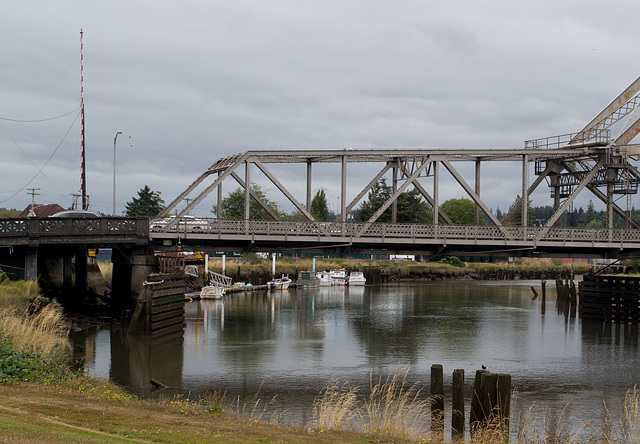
292,343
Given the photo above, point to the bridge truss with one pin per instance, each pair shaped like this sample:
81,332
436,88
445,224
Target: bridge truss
591,159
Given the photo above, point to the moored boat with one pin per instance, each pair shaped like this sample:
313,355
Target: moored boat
279,283
212,292
356,278
338,276
325,278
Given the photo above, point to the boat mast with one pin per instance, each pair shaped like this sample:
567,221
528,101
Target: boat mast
83,172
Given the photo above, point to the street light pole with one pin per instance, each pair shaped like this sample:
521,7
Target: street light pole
115,139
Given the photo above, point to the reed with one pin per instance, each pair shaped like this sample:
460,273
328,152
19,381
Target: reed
395,408
336,407
42,333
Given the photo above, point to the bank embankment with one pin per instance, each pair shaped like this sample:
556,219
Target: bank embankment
256,271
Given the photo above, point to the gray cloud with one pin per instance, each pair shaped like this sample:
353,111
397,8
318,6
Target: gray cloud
194,81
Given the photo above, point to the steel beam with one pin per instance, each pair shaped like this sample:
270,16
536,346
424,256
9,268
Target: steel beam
470,192
573,195
284,191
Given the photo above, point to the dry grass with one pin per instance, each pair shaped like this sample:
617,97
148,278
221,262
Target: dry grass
392,409
43,332
106,268
336,407
18,295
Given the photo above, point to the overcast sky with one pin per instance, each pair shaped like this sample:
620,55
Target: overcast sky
192,81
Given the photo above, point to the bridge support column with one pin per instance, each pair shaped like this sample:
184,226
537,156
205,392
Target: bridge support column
67,272
130,270
81,283
31,265
120,281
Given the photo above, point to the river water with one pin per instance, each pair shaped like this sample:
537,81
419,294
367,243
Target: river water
293,343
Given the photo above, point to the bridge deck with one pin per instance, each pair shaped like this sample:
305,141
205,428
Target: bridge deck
362,237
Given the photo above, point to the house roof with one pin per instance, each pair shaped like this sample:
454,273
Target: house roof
42,210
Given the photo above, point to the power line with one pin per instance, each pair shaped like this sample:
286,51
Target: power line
39,120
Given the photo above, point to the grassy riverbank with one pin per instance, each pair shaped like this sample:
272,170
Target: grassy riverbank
42,400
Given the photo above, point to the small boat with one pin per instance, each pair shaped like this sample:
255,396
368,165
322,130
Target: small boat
356,278
338,276
279,283
212,292
325,278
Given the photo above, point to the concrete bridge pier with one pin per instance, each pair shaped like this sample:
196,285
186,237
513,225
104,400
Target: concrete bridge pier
130,270
31,264
81,281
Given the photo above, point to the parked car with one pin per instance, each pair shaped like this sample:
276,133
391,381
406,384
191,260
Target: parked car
76,214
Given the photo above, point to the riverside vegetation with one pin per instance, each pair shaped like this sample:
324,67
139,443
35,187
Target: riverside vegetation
257,270
43,400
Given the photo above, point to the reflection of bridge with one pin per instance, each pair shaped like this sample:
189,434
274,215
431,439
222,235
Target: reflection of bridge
347,237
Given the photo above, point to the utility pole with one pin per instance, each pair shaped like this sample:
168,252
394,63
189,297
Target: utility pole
33,193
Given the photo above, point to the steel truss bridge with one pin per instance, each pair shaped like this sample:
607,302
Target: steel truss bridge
591,160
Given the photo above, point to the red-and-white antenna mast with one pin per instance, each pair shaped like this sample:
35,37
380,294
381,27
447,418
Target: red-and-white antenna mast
83,172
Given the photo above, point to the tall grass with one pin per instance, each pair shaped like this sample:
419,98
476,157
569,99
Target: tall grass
18,295
106,268
42,333
393,408
336,407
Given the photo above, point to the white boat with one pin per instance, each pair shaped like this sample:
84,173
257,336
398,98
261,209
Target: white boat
212,292
279,283
356,278
325,278
338,276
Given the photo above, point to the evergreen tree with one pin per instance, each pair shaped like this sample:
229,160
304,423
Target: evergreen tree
148,203
380,192
319,207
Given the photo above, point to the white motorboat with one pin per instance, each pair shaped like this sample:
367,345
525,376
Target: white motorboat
212,292
338,276
356,278
325,278
279,283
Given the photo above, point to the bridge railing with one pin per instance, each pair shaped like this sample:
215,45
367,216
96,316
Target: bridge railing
356,230
73,227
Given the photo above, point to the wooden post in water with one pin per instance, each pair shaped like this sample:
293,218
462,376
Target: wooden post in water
489,388
544,296
437,398
457,406
491,401
504,400
573,300
476,414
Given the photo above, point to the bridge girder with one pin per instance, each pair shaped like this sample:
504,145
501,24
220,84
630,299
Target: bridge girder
563,161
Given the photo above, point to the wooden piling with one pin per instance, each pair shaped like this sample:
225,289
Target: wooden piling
491,402
504,400
489,387
457,405
437,398
476,413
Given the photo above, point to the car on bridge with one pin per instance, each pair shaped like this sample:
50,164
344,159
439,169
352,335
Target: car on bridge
76,214
186,223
